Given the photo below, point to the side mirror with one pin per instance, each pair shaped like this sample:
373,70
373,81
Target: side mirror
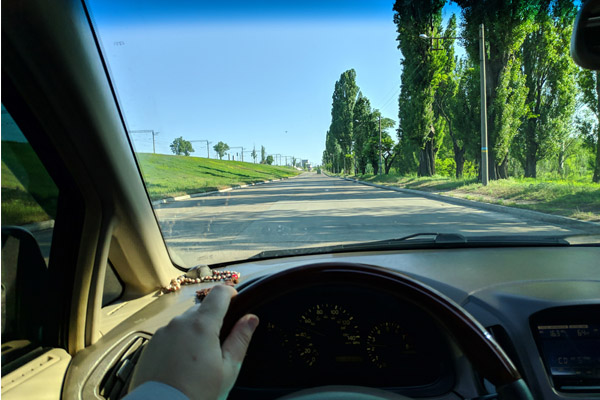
585,40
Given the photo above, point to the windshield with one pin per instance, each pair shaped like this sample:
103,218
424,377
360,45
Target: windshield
263,126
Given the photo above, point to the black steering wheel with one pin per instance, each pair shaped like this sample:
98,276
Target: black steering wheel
478,345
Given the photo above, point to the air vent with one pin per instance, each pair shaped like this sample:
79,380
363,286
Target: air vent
114,385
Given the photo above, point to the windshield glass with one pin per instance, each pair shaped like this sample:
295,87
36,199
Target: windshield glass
264,126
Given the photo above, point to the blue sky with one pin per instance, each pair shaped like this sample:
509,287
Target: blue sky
248,74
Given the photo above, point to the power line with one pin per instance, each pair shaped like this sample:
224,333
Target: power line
153,132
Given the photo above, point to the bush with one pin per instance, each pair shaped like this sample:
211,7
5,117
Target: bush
445,167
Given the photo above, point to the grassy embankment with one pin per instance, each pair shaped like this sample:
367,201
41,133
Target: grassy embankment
571,198
28,192
28,198
168,176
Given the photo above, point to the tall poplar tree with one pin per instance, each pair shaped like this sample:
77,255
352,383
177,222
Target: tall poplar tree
339,141
421,70
550,78
506,26
589,83
364,125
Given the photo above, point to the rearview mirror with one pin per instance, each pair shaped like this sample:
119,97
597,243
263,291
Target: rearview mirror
585,40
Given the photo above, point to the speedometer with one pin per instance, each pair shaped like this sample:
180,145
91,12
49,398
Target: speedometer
327,330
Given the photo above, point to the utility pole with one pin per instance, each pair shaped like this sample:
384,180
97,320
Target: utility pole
380,158
239,147
207,143
276,158
484,141
153,132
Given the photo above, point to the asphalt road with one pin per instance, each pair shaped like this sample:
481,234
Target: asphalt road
316,210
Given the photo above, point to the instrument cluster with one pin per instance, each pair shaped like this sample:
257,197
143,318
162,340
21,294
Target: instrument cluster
344,335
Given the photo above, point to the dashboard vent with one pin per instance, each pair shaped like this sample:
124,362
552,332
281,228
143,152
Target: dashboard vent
115,383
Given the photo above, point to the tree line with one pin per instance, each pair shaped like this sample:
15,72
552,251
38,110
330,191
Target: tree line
182,147
542,108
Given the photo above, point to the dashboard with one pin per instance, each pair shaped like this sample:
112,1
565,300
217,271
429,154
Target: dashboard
540,304
347,335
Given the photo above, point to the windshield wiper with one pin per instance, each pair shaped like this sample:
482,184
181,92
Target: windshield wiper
437,237
423,240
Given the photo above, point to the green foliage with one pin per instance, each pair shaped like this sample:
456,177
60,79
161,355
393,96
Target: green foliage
269,160
550,77
180,146
589,84
339,140
364,129
263,155
422,70
221,148
507,23
508,109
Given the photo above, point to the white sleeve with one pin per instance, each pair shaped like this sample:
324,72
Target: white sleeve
155,391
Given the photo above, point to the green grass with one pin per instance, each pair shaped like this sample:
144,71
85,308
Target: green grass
28,193
572,198
168,176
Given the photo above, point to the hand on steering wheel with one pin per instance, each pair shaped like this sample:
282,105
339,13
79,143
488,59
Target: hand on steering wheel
188,355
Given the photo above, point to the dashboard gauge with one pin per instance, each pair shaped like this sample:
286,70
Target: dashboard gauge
279,339
327,330
387,344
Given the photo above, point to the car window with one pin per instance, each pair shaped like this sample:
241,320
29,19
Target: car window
29,202
29,196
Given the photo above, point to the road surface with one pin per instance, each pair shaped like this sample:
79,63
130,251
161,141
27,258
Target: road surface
315,210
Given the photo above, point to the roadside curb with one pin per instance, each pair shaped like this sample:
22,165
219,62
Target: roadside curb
535,215
168,200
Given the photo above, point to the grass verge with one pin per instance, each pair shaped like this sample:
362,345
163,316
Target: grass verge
580,200
168,176
29,194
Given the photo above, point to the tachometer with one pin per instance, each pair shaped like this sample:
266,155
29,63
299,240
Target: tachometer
327,331
388,343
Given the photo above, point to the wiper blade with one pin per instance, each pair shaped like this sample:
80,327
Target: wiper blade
437,237
423,240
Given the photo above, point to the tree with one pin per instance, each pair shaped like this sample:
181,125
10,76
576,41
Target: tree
372,146
421,72
463,116
263,154
506,26
339,138
269,160
589,83
254,155
221,148
364,127
180,146
550,78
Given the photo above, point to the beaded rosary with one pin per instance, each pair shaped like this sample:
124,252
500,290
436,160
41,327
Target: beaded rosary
230,278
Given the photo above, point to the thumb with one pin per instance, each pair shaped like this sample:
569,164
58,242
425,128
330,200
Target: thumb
235,346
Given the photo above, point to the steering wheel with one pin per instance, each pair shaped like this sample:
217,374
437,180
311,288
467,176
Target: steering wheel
478,345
